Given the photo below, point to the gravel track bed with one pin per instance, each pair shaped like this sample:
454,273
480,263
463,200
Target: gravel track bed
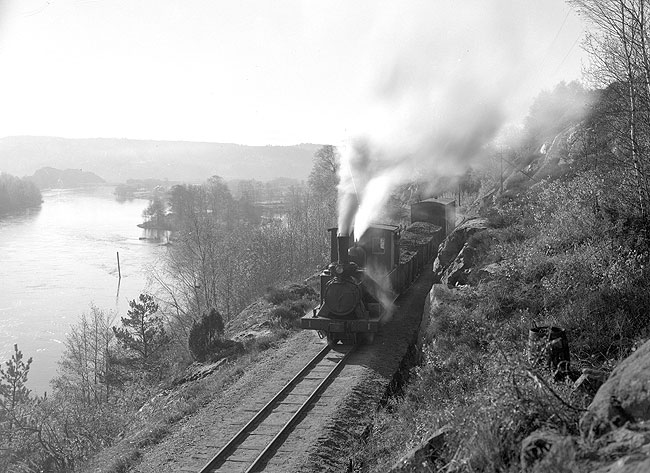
197,438
322,441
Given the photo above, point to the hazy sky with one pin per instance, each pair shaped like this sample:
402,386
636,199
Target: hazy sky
258,71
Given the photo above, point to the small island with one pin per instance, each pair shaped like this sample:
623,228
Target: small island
51,178
17,194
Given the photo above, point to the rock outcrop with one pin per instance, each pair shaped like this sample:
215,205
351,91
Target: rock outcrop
615,429
628,447
422,454
455,256
624,397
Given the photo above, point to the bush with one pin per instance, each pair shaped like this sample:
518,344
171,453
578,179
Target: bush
292,302
288,315
292,292
206,335
276,295
265,342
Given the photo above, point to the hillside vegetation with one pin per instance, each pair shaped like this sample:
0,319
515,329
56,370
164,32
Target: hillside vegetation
566,246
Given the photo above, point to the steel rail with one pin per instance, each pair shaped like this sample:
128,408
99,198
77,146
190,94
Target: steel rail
291,422
231,446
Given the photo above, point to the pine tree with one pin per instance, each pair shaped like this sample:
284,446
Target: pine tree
13,379
17,428
142,332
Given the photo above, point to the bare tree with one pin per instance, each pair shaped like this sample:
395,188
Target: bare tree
618,45
85,367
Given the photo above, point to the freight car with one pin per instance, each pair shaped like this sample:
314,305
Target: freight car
365,277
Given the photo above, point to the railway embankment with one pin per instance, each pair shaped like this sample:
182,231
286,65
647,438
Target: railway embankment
185,425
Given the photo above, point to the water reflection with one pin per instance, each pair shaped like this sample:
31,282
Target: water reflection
160,236
19,215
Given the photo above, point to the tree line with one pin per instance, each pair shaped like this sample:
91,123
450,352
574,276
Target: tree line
17,194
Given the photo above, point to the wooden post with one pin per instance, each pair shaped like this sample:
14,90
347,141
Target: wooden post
119,271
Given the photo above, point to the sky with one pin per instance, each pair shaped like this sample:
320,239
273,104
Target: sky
264,72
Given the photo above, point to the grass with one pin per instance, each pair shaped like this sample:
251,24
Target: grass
474,378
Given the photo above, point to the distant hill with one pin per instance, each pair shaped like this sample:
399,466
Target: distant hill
117,160
47,178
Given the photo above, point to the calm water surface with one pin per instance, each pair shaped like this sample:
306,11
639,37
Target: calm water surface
57,260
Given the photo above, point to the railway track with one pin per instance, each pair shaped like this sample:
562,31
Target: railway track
253,445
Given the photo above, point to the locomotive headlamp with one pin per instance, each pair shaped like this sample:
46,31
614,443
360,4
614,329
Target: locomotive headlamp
339,269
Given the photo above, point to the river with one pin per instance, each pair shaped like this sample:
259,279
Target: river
58,260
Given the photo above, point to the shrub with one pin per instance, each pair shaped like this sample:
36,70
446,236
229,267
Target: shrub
292,292
265,342
288,315
276,295
206,335
292,302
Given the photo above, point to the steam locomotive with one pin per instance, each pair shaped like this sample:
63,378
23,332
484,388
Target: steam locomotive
366,276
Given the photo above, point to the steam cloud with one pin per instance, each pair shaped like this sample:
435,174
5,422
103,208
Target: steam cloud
440,95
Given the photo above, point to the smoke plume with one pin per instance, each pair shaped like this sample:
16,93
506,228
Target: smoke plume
440,90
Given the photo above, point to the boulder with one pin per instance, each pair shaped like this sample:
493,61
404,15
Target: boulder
629,464
449,249
624,397
487,273
457,273
622,441
625,450
198,371
423,454
537,445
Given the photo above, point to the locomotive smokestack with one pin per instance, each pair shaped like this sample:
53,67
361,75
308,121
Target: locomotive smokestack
343,243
